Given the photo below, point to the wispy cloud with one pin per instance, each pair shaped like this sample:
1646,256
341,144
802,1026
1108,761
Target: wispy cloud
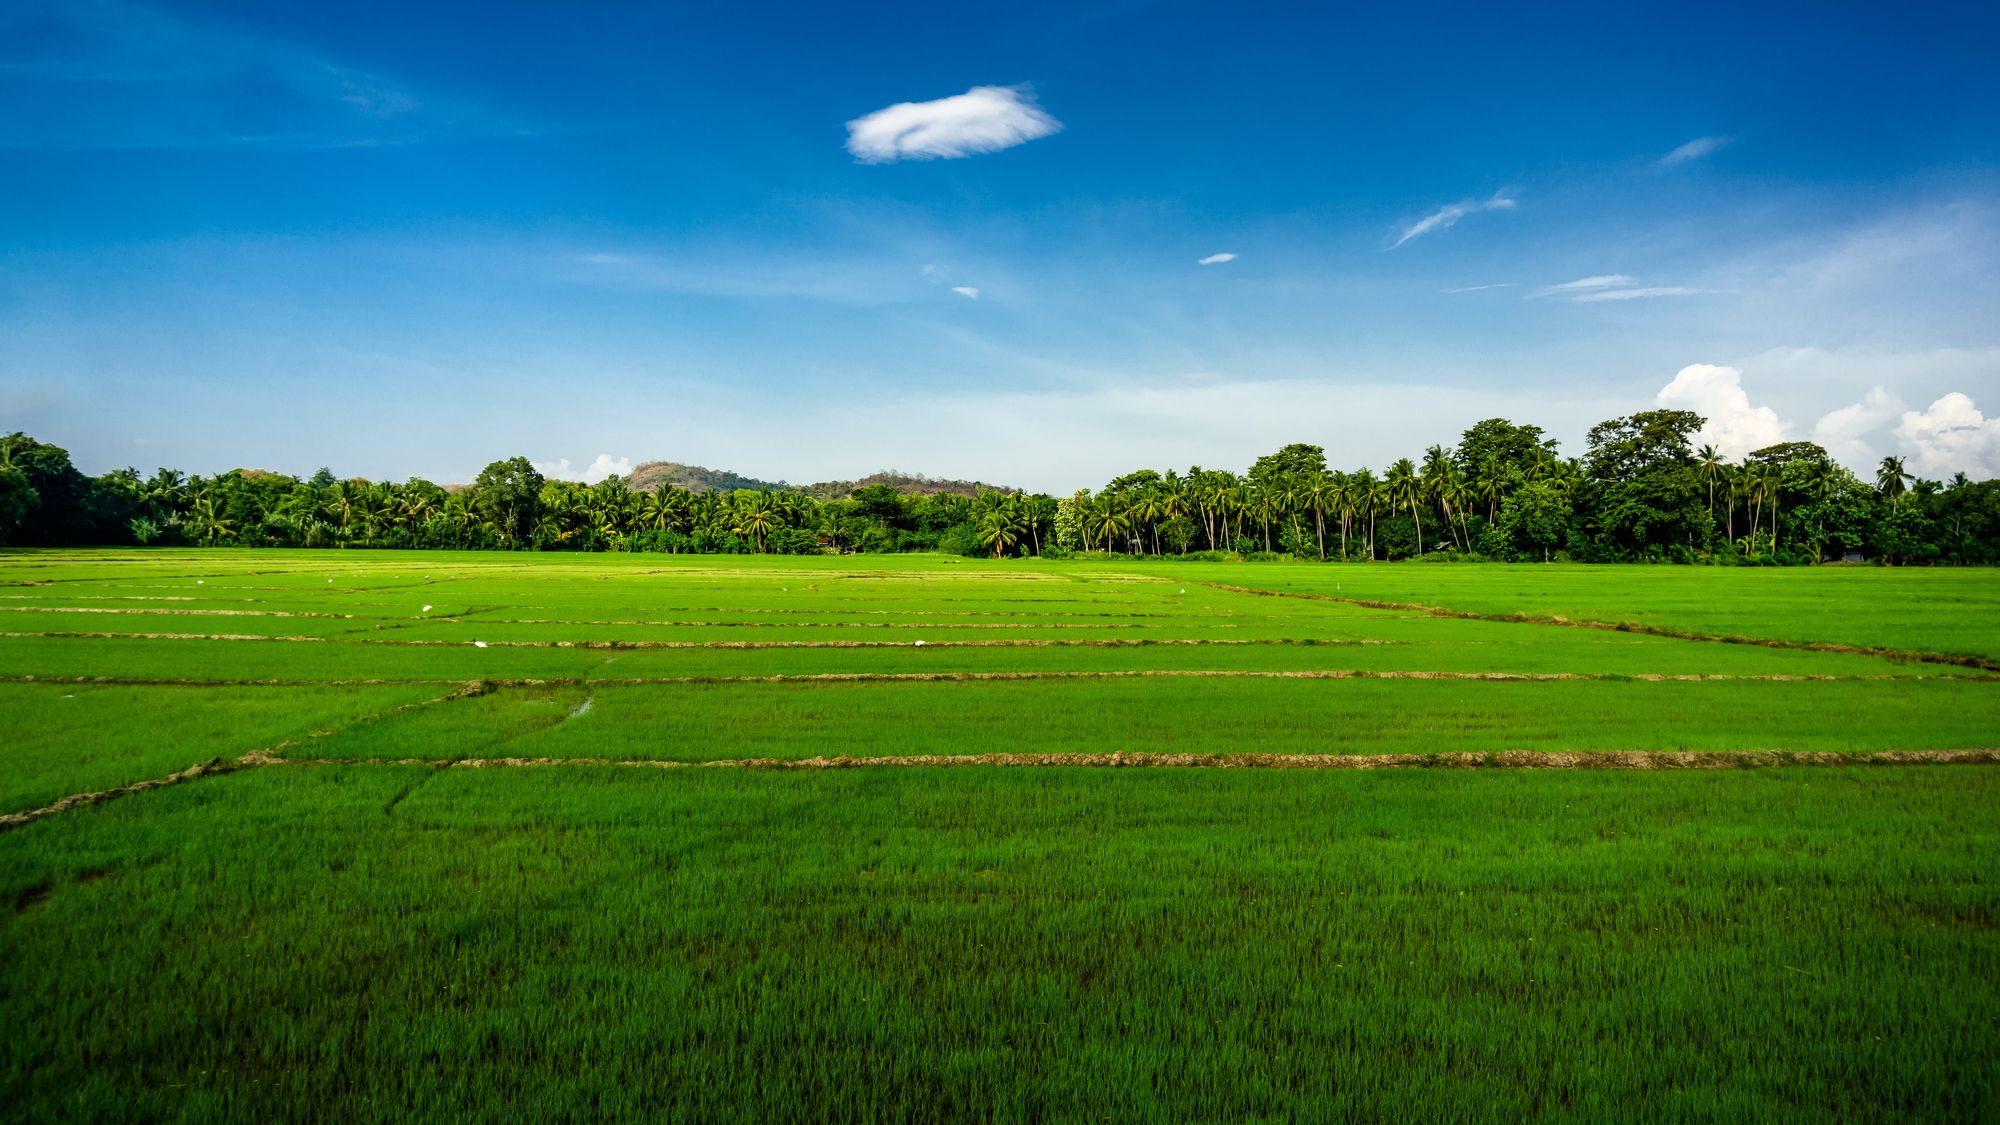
983,119
1602,281
968,291
1216,259
1693,150
1640,294
1447,217
108,74
1479,288
1613,287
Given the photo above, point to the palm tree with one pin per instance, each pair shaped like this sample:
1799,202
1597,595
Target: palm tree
1405,490
1732,490
755,519
1341,496
1711,466
1891,480
1458,498
1266,505
1774,484
1110,520
1366,494
210,524
1492,486
1151,509
1000,531
1756,486
1318,495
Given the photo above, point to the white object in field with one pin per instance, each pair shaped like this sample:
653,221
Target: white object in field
479,644
198,582
920,644
427,609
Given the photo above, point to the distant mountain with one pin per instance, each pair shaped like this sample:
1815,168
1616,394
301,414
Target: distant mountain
902,482
649,476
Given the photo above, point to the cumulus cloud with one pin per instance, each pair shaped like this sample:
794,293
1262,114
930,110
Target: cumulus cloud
1845,432
1216,259
969,291
1951,436
1602,281
1693,150
1447,217
1716,393
605,466
983,119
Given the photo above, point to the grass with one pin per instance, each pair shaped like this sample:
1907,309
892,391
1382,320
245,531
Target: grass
707,722
1056,945
82,738
387,942
1930,609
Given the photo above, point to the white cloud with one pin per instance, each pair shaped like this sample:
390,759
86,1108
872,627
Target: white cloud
1637,294
1693,150
1602,281
605,465
1845,432
935,274
1446,217
1716,393
1480,288
971,291
983,119
1951,436
1216,259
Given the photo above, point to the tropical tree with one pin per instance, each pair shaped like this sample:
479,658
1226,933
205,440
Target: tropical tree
1000,530
1405,491
1892,480
1711,466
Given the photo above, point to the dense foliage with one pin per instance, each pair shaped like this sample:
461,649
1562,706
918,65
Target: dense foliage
1642,491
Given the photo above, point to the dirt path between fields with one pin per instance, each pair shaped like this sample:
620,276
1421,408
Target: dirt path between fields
266,756
1053,674
1493,760
1961,660
998,642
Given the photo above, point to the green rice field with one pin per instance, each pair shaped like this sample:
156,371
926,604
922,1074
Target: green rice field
420,878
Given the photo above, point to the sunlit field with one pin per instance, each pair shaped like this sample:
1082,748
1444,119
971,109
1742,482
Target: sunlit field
361,912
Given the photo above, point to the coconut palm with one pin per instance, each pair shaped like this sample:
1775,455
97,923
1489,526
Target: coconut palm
1318,495
1711,466
1110,520
1406,490
1891,480
1492,486
208,523
1000,530
755,518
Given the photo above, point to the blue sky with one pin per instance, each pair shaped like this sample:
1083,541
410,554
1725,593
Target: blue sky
812,241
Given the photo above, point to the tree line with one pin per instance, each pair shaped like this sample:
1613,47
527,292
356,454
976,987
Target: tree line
1641,491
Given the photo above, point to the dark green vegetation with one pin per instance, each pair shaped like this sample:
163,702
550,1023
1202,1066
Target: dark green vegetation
1642,491
347,938
377,944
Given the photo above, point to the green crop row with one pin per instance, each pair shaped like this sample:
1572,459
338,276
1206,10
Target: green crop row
380,944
